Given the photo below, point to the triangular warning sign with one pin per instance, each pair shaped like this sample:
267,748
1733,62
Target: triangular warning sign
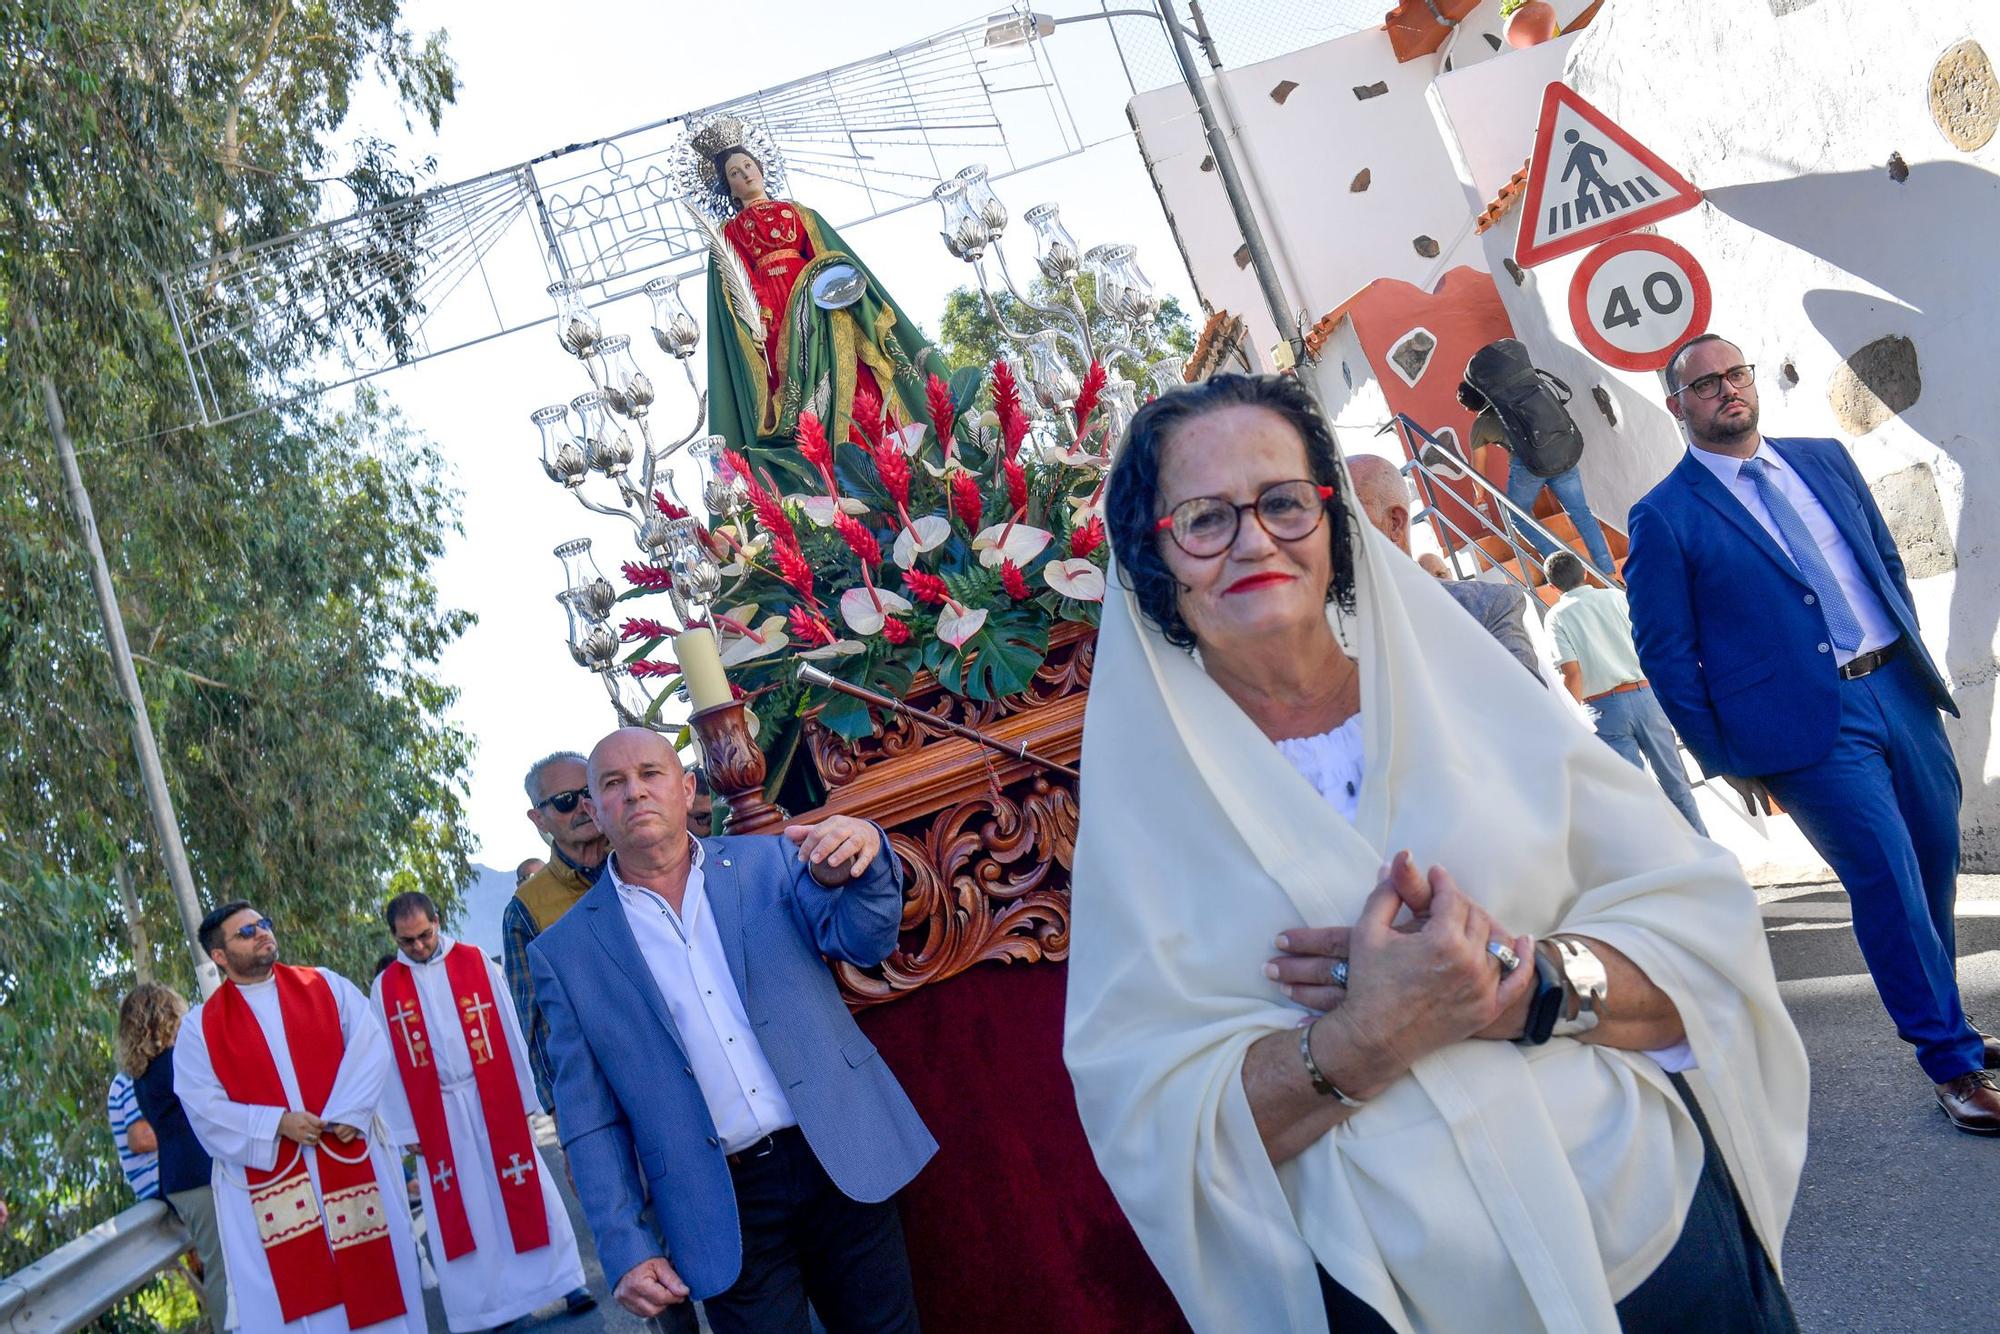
1590,181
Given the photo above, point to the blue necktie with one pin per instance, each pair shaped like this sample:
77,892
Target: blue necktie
1840,621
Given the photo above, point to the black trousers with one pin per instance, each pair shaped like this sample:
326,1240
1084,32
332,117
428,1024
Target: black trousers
805,1241
1716,1279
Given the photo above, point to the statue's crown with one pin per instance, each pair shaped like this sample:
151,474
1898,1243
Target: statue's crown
719,135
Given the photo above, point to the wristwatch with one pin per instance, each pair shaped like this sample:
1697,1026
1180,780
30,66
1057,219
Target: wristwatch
1545,1003
1583,975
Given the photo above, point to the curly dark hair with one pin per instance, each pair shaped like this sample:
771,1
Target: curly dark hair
1132,504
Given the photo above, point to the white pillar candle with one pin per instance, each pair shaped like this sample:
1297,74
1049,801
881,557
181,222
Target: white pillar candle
701,668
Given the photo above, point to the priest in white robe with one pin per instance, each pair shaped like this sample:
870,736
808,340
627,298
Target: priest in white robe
503,1248
309,1196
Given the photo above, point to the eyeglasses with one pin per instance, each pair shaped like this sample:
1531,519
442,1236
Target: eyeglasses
1708,386
249,930
1207,525
564,802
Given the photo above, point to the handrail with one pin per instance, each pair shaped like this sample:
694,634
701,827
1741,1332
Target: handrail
1523,521
79,1281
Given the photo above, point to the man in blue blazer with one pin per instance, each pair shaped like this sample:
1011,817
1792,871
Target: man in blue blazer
704,1061
1774,621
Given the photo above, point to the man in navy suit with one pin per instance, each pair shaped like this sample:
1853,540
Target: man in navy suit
704,1060
1774,621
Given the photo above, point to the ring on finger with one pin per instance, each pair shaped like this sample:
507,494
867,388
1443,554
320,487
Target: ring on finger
1338,973
1504,952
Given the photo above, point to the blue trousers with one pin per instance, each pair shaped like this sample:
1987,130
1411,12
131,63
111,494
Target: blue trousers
1634,725
1882,808
1523,486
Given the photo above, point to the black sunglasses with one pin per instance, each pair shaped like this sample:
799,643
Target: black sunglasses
249,930
564,802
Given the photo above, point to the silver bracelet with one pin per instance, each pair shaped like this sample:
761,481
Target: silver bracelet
1585,978
1321,1084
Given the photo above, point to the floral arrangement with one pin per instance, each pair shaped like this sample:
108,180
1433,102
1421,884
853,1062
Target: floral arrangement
951,546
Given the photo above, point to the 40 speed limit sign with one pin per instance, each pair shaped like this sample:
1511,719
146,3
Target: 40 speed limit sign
1635,299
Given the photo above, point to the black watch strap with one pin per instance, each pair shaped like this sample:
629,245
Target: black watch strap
1545,1004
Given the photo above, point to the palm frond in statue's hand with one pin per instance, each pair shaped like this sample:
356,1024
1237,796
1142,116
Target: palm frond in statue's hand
735,277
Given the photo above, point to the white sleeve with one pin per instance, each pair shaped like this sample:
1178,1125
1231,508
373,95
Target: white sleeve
364,1064
240,1133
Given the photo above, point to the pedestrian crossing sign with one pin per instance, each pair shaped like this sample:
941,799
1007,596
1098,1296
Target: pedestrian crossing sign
1590,181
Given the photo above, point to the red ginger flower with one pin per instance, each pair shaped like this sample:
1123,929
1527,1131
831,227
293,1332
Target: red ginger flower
895,631
770,513
1017,487
811,437
667,506
648,667
808,627
966,501
1007,406
654,578
1084,540
894,470
642,627
1086,399
1012,580
925,587
943,411
794,570
859,540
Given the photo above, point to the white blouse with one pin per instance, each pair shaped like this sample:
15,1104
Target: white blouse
1333,762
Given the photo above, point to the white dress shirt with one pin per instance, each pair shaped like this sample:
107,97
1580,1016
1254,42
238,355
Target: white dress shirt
1877,628
683,951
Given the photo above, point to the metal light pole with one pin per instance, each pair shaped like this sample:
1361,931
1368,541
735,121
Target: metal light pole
153,778
1232,185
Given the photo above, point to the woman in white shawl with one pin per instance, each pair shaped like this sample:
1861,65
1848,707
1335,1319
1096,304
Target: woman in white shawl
1412,1118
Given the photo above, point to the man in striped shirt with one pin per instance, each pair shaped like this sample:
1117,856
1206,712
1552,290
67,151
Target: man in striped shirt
138,1147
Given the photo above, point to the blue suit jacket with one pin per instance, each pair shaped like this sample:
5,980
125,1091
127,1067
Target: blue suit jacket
1725,627
632,1116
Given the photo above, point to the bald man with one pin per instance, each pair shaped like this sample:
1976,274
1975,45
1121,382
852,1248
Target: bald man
1385,498
704,1059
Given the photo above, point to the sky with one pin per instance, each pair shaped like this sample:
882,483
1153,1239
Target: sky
534,81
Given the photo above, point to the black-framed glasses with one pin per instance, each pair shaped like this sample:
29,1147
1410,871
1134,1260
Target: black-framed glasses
563,802
249,930
1207,525
1709,386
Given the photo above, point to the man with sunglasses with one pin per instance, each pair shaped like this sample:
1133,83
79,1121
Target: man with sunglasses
1774,621
557,785
281,1073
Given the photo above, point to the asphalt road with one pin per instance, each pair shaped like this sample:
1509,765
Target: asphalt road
1894,1227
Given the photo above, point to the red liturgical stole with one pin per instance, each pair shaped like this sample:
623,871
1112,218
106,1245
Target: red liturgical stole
326,1248
516,1166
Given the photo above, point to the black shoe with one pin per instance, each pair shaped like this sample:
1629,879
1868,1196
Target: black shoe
579,1301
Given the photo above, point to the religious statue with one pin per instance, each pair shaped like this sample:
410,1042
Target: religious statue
796,321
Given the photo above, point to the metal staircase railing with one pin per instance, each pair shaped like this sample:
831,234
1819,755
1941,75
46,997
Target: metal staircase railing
1417,443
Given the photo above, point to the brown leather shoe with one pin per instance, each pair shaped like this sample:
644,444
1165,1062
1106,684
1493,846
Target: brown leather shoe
1992,1049
1972,1102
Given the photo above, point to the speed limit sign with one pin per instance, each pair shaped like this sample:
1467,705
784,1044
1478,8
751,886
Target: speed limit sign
1635,299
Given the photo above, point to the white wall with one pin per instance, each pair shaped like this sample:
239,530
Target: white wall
1788,122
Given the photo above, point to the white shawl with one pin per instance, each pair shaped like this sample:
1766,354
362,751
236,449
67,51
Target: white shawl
1496,1187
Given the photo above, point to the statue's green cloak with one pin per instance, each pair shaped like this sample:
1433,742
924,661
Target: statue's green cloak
818,352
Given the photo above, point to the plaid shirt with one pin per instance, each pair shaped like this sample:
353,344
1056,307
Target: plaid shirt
518,928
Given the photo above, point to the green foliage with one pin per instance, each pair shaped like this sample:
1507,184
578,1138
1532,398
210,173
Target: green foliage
971,337
274,573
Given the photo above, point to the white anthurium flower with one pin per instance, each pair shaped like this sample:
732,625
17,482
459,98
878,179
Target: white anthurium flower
753,723
910,439
739,649
1076,577
734,570
1082,509
839,648
989,420
938,471
863,617
925,534
955,625
821,509
1016,542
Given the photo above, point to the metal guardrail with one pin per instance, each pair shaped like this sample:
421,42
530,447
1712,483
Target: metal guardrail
68,1288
